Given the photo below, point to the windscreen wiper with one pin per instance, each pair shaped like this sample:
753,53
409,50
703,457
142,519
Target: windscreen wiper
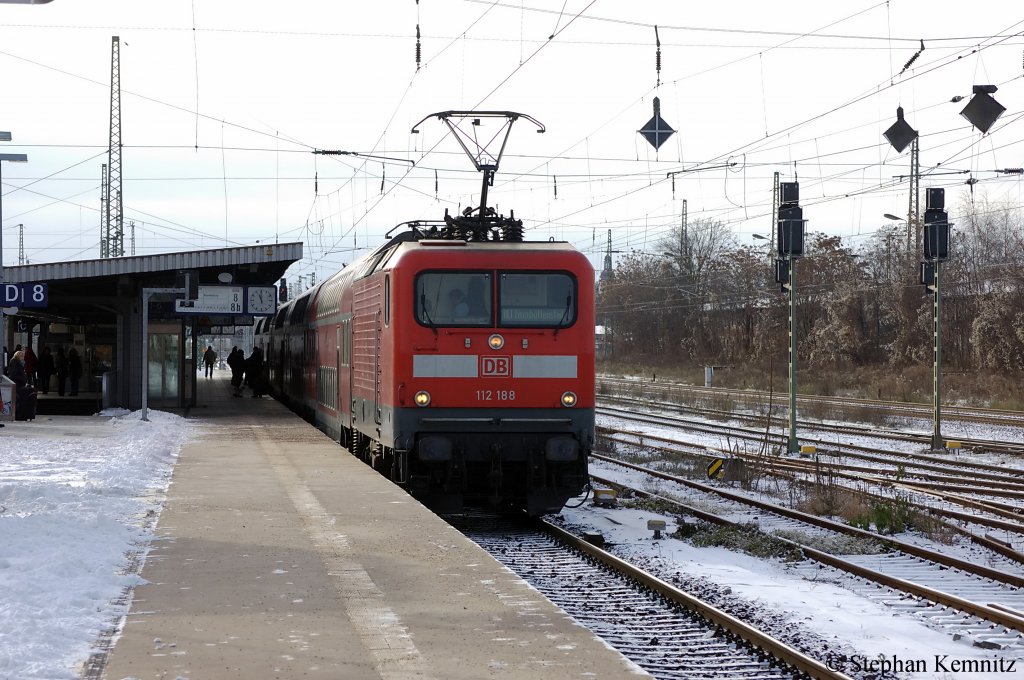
568,306
423,306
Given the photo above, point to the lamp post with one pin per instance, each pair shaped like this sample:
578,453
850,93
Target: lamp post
762,237
10,158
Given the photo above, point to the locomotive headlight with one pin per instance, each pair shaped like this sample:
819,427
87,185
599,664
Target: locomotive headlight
496,341
568,399
422,398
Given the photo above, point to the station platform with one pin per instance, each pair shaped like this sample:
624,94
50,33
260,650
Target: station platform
280,555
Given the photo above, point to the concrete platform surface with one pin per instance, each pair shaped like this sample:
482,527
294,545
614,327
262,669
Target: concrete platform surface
279,555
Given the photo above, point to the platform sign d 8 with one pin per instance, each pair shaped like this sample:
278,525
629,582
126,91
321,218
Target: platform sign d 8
26,295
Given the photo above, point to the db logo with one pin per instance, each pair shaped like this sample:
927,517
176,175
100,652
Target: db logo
495,366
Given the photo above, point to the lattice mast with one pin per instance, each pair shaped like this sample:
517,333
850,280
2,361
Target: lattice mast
775,215
684,236
104,214
113,227
607,272
914,209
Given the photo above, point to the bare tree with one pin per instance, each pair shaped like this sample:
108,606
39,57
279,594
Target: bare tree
840,294
637,303
989,247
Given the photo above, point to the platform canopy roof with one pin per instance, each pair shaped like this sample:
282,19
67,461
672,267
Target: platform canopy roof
84,291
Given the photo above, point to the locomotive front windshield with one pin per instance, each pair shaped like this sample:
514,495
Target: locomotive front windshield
461,298
524,299
537,299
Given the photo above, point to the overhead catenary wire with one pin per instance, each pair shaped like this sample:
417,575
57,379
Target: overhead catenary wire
837,108
567,176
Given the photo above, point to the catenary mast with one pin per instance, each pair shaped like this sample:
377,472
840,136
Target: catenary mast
112,240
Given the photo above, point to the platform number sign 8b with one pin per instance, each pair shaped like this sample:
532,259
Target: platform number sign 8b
26,295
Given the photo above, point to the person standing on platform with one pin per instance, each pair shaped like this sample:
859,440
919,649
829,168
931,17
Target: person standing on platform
61,364
254,371
25,408
209,358
236,362
45,369
16,369
9,359
30,365
74,370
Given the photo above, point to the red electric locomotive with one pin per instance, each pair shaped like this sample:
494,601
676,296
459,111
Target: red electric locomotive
457,359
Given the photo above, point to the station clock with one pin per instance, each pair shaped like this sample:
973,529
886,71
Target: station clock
261,299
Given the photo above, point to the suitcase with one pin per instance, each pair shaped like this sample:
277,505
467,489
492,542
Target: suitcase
25,405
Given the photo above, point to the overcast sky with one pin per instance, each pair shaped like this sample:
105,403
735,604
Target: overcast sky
222,104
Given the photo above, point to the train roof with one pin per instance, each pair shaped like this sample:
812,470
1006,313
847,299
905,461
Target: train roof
490,245
412,241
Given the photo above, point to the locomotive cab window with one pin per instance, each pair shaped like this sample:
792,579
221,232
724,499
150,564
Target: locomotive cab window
454,298
537,299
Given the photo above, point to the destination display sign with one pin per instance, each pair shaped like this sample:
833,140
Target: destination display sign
214,300
230,300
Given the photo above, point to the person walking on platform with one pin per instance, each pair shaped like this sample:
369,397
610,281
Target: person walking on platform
45,369
236,362
61,364
74,370
209,358
254,371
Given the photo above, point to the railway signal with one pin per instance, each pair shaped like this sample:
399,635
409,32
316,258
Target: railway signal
982,111
790,245
656,131
782,274
936,226
790,222
936,251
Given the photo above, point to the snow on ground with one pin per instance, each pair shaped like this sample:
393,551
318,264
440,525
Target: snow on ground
873,630
720,443
78,498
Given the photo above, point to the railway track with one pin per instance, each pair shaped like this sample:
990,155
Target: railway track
775,427
998,490
1011,574
960,476
667,632
771,416
974,520
916,580
761,399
